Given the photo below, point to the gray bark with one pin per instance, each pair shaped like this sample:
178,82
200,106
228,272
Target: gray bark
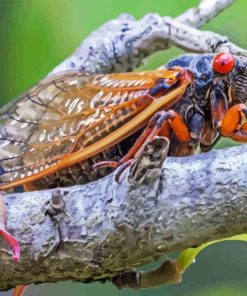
103,228
204,12
109,227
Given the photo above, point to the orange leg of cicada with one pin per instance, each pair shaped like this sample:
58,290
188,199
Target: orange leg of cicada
11,241
20,290
169,119
30,187
159,125
232,125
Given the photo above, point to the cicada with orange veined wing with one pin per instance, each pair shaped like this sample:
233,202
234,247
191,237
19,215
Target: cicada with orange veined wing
51,130
57,131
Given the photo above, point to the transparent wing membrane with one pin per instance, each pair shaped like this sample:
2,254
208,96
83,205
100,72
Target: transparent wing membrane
63,115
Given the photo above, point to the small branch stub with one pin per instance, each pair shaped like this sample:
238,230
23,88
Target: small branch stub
167,273
56,204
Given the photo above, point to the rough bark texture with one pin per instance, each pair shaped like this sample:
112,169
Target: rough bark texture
109,227
103,228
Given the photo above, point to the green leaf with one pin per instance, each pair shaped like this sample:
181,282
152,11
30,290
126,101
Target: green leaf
187,256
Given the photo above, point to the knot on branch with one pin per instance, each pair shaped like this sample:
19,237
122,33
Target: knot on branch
56,204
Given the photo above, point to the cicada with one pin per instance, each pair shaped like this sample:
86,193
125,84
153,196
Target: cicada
69,123
57,132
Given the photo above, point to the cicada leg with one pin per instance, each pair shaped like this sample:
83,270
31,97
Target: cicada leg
232,125
19,290
159,125
161,122
11,241
228,121
29,187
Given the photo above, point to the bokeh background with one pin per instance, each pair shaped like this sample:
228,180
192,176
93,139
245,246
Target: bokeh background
36,35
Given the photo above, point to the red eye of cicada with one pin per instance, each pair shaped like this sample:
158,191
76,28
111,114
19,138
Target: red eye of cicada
223,63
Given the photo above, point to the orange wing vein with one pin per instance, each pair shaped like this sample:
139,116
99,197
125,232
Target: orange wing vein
72,116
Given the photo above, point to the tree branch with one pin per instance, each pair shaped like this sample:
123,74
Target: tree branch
206,10
108,227
98,230
120,45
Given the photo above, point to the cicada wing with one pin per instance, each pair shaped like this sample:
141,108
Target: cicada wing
64,115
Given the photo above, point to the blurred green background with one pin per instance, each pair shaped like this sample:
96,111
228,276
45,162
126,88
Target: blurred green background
36,35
